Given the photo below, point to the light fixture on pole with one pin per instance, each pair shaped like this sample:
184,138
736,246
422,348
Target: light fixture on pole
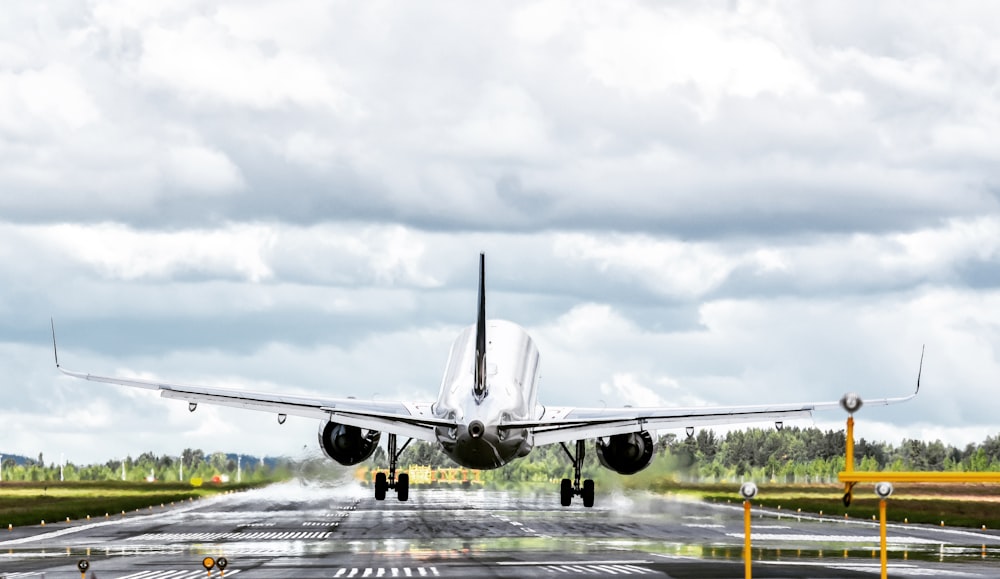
883,490
748,490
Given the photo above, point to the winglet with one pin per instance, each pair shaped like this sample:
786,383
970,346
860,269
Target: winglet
479,387
920,369
55,351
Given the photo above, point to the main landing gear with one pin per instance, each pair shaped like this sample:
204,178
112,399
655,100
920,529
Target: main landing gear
567,489
400,484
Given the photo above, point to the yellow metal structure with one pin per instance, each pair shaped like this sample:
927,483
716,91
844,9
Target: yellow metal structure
920,477
881,526
850,477
746,540
428,475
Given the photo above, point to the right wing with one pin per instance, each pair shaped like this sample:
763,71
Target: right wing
566,424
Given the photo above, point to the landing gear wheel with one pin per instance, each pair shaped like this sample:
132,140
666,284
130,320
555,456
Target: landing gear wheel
570,488
588,493
403,487
381,486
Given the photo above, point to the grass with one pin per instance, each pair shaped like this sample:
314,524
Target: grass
29,503
958,505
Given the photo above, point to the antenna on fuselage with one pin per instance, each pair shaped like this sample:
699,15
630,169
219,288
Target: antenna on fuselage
479,386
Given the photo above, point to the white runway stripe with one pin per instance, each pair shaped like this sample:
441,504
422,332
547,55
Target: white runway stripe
176,574
387,572
257,536
600,570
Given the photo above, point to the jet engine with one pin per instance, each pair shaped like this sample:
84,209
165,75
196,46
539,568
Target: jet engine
347,444
626,453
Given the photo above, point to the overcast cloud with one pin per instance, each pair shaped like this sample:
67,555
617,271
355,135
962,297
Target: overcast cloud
684,203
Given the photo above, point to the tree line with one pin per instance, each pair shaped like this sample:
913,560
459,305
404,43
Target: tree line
792,455
191,463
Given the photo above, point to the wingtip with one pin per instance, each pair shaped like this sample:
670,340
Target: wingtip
55,351
920,369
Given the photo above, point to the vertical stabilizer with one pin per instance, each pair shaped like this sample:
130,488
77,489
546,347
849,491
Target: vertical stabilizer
479,386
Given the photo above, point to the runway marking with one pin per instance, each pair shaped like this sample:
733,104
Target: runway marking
381,571
875,568
835,538
173,574
259,536
602,570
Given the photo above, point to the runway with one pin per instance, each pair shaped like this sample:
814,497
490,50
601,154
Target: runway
292,530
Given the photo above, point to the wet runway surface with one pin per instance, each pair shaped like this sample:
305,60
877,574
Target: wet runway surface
307,531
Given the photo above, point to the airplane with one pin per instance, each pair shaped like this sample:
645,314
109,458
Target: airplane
487,412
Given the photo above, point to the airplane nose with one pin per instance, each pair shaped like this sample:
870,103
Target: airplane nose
476,429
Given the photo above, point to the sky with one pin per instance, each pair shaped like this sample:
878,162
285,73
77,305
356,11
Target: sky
684,203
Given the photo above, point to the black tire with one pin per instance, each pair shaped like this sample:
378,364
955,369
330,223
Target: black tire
588,493
403,487
566,492
381,486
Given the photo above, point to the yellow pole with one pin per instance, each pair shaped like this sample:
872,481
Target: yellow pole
881,525
849,458
746,539
849,466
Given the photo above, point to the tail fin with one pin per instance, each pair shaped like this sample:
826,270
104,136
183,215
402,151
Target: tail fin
479,387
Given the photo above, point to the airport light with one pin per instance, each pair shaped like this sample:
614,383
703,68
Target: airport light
83,565
748,490
883,490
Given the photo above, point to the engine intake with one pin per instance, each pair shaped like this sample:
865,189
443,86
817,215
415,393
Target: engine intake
347,444
626,453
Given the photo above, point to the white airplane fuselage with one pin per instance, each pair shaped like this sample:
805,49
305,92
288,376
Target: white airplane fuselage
511,393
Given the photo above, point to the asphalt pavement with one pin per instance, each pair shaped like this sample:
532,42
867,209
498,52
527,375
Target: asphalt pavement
305,531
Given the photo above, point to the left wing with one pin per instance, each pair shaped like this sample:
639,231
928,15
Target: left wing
413,420
410,419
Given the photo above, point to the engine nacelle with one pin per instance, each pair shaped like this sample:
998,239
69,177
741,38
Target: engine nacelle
626,453
347,444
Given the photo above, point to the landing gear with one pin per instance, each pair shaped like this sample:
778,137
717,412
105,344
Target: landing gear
569,488
400,484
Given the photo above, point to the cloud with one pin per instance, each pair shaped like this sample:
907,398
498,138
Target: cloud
686,204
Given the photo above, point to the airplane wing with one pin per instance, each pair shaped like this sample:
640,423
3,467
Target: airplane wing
413,420
565,424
